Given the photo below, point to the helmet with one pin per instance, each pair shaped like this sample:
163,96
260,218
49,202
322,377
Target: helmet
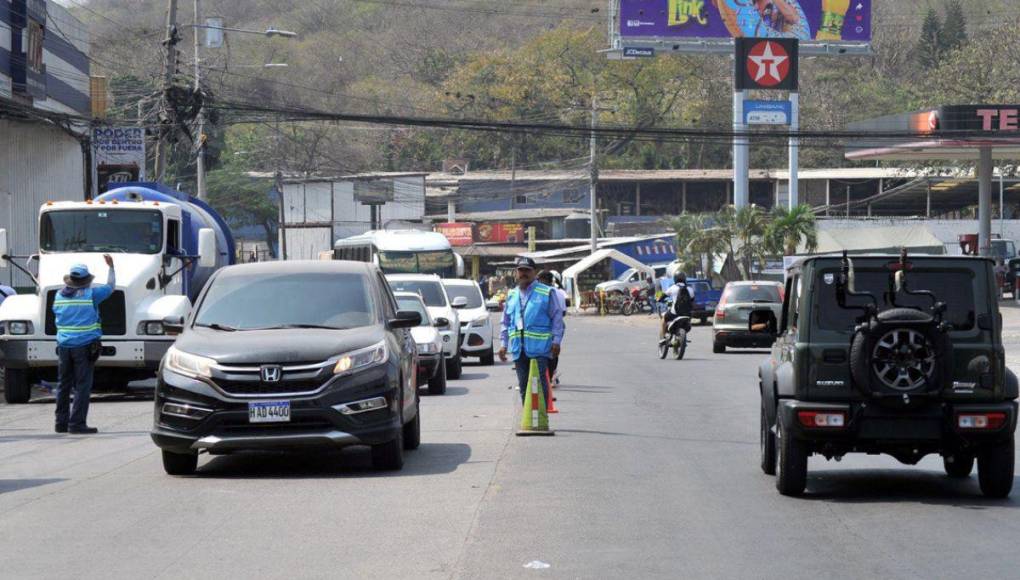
680,278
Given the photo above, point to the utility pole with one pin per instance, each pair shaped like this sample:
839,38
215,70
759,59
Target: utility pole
169,71
200,137
594,176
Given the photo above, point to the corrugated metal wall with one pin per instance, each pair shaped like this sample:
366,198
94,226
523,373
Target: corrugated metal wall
306,243
38,163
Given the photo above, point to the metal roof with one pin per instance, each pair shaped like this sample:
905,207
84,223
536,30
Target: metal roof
508,215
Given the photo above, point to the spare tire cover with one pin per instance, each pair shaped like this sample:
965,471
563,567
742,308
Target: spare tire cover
902,352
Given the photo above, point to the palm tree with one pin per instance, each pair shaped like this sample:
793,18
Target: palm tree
789,228
749,224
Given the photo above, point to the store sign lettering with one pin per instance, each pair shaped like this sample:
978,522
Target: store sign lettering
999,119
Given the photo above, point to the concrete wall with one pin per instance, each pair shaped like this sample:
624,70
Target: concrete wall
38,163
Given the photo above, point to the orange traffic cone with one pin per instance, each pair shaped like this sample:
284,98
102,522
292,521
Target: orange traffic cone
550,400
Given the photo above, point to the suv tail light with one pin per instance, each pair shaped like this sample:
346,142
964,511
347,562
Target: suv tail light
980,421
720,309
822,419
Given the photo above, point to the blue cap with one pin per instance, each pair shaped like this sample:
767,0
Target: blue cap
80,271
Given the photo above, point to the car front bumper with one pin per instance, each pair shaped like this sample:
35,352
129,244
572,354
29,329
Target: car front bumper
475,340
316,420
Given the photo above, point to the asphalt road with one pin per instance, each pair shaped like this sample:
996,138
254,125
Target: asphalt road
653,473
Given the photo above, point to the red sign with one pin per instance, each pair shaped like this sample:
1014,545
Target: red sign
503,233
767,63
459,234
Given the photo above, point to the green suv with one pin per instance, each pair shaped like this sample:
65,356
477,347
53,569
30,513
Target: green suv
883,354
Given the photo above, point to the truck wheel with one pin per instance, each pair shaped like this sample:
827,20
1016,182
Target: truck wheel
791,477
17,389
412,430
958,465
389,456
454,367
437,384
995,469
488,358
179,463
768,446
718,348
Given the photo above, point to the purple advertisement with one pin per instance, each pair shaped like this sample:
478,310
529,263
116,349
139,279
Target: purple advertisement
807,20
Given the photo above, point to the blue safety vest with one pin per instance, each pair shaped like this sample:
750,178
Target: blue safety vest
531,325
77,319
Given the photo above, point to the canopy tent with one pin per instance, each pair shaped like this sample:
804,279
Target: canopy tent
882,240
571,273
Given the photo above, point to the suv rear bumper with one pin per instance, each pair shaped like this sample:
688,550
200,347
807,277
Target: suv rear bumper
874,426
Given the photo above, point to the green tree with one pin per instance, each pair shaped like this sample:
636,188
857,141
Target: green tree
928,51
954,29
749,225
789,228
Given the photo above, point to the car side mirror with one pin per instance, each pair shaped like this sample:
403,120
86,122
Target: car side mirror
405,319
459,302
173,325
762,321
492,306
207,248
442,322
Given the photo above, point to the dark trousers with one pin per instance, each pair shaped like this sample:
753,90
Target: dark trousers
523,367
75,372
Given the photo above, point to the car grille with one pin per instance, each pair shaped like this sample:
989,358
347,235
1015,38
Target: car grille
112,314
298,378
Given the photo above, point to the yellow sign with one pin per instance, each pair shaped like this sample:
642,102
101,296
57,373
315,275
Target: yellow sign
683,11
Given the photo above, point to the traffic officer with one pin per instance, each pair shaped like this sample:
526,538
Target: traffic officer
532,326
76,310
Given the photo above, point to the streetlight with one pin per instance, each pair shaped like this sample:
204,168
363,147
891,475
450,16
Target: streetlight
217,25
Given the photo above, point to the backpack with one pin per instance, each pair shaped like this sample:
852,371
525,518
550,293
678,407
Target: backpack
683,303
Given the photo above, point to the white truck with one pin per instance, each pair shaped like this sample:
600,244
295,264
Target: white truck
165,245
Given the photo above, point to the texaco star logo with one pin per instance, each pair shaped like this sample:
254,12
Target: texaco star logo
768,63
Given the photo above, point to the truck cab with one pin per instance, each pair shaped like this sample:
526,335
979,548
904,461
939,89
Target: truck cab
158,268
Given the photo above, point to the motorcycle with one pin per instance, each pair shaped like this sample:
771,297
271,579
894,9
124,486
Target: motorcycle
638,302
676,337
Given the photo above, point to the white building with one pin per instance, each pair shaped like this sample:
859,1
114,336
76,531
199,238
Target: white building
317,211
44,96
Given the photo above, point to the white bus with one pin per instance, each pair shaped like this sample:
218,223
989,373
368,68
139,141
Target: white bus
402,252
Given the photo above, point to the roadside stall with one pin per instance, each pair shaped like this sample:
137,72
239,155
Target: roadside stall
581,287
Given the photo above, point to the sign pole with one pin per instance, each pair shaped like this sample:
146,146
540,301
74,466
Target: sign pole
793,192
741,151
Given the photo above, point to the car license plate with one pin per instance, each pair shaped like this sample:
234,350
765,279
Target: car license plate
269,412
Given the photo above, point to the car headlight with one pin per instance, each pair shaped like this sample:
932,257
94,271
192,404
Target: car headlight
428,348
360,359
151,328
19,327
187,364
479,322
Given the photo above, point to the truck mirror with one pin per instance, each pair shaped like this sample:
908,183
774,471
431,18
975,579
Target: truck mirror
3,248
206,248
459,302
899,280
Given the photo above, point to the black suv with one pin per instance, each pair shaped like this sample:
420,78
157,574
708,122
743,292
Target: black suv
892,355
285,355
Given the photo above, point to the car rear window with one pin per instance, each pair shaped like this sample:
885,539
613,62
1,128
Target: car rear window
753,293
431,292
954,287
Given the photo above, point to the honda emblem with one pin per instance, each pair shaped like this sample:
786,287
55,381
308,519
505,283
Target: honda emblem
271,374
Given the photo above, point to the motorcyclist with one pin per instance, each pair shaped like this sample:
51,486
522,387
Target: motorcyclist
681,297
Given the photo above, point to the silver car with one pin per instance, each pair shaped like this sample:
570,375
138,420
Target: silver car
729,327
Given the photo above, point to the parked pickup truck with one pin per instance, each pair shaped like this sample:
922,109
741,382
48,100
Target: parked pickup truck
705,299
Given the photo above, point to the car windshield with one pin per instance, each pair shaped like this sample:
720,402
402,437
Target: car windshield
105,230
753,293
414,305
625,277
701,287
471,293
954,287
264,301
431,292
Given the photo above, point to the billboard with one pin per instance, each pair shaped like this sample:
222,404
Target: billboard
459,234
822,21
501,233
118,155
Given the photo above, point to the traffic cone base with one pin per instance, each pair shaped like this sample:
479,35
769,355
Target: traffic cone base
534,418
